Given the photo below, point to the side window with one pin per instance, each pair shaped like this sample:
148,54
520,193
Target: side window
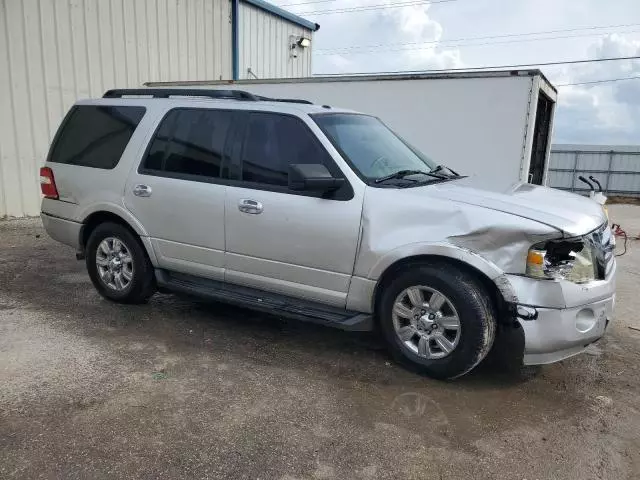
160,143
95,136
272,143
189,142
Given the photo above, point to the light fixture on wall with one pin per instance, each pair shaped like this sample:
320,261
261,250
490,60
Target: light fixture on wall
297,43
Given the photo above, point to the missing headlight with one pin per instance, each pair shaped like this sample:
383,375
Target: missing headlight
571,260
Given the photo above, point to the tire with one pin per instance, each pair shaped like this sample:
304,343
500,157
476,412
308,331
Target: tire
464,298
135,270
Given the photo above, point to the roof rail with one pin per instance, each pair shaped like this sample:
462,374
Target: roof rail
196,92
285,100
181,92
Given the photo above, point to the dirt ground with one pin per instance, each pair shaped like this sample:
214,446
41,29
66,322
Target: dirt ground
186,389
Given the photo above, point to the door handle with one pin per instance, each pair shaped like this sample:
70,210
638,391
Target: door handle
250,206
142,190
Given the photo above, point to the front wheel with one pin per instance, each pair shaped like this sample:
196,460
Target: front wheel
118,265
438,319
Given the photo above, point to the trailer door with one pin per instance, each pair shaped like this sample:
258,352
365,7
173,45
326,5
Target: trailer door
541,133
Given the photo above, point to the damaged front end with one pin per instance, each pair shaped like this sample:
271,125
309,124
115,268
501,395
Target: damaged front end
554,275
563,301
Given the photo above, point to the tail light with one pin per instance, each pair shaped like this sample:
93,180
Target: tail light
48,183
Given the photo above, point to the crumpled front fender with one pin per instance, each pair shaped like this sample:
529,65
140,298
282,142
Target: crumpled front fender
403,224
466,256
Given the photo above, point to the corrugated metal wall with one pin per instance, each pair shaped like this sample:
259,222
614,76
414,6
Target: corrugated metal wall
53,52
265,42
616,167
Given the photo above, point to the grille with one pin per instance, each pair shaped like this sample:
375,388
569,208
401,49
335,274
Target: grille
601,240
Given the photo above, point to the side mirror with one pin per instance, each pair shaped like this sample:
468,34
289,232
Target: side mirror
312,177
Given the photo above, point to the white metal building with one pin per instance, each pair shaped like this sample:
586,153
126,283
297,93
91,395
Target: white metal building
53,52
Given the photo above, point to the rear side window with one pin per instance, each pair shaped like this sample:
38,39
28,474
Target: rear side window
272,143
189,142
95,136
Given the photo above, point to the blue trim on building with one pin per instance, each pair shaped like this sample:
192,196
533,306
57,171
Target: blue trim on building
235,38
279,12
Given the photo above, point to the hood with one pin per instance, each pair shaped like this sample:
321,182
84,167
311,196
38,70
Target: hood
573,214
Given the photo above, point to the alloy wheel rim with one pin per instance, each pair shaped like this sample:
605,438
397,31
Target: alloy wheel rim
115,264
426,322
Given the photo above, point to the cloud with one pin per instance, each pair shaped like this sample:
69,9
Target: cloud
605,113
615,45
625,92
409,25
628,92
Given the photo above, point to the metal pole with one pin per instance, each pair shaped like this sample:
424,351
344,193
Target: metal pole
575,168
606,185
235,43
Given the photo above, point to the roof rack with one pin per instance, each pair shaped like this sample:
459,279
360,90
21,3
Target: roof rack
181,92
285,100
196,92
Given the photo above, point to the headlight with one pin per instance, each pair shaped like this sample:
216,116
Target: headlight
571,260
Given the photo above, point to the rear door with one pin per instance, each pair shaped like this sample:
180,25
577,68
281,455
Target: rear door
177,193
544,114
296,243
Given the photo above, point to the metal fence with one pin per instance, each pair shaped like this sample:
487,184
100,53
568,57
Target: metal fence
616,167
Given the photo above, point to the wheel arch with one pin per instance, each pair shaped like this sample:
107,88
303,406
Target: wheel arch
97,217
490,277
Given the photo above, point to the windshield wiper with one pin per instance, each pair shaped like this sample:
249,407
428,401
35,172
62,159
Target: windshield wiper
406,173
440,168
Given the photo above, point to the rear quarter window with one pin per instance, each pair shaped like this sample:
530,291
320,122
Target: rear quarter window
95,136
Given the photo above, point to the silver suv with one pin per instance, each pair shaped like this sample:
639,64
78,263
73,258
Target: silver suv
324,215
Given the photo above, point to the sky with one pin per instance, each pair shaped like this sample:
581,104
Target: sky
435,36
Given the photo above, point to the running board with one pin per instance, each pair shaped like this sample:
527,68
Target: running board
268,302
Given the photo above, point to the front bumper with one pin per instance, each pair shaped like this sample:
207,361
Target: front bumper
568,317
559,334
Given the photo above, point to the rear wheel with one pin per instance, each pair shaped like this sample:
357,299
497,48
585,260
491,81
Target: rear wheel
118,264
438,319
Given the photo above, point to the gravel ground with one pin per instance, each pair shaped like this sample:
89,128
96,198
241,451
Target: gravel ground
186,389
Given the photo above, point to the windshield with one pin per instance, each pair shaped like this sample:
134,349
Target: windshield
370,146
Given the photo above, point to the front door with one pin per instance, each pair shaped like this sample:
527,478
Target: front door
174,193
295,243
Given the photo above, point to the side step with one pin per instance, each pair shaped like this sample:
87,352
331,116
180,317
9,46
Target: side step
256,299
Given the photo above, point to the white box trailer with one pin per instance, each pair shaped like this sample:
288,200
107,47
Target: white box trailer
495,125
